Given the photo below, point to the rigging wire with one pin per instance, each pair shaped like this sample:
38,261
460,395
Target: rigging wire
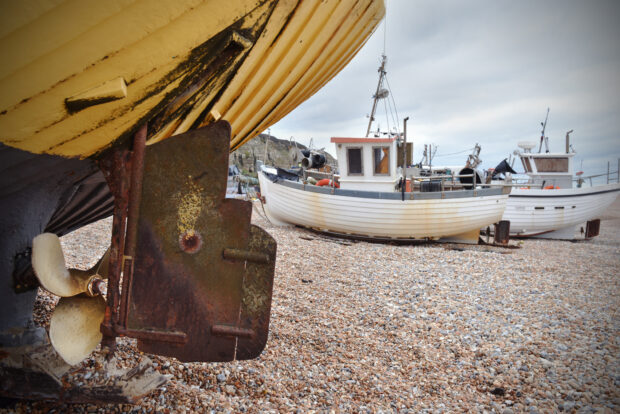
394,118
386,116
387,82
391,113
456,153
384,27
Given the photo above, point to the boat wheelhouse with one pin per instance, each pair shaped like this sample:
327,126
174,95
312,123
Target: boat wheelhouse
367,164
546,169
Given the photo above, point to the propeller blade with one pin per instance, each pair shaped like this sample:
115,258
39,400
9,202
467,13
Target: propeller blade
74,327
48,263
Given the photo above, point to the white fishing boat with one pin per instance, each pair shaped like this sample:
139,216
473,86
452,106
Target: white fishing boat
372,197
552,202
448,215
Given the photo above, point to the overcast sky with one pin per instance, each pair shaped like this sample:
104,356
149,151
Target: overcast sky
486,72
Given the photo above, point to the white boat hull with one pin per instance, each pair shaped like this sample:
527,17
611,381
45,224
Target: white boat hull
556,213
382,215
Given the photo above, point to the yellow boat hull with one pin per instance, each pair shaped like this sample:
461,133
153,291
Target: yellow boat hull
79,75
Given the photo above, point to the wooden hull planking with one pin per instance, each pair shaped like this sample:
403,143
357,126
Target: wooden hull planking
431,218
538,212
78,76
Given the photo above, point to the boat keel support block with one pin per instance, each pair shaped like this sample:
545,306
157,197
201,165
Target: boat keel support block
501,234
593,228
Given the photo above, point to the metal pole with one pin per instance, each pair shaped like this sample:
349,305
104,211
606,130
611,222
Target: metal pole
114,167
404,166
133,212
376,97
266,145
430,157
568,141
618,170
607,172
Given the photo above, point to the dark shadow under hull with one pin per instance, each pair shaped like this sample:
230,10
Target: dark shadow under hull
39,193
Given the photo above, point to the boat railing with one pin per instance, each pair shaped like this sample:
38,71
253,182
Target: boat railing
527,185
580,181
448,182
609,177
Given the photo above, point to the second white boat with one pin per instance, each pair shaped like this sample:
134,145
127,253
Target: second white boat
548,205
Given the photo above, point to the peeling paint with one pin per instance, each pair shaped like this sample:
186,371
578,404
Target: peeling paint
198,68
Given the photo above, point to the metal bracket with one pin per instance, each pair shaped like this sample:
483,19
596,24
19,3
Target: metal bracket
200,267
197,276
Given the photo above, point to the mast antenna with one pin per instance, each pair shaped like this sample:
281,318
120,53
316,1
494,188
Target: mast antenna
385,29
542,134
384,93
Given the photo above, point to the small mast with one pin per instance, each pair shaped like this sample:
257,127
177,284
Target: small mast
379,94
542,134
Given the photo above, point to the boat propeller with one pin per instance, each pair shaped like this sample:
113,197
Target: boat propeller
74,326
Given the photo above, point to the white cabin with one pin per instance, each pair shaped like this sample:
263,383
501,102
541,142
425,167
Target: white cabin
547,169
367,164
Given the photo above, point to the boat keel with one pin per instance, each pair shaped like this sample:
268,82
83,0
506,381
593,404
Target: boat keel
469,237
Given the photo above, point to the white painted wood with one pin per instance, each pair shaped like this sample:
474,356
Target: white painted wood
367,181
573,206
417,219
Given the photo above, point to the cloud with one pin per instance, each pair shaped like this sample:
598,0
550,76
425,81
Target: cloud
483,71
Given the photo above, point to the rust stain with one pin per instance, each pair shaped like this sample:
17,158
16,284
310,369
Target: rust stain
190,241
190,203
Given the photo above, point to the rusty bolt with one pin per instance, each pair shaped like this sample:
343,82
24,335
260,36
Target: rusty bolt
96,286
190,241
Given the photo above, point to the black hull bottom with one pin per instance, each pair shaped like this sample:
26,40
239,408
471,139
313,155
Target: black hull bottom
39,193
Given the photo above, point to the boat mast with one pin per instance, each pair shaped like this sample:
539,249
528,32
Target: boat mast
542,134
377,94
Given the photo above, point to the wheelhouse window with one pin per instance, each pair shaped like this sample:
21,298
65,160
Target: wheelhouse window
381,160
552,165
354,161
526,164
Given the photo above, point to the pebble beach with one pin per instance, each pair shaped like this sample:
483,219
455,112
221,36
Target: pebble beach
375,327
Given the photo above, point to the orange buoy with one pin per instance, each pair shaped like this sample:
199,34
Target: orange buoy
328,182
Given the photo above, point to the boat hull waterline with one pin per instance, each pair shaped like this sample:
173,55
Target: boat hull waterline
555,213
382,215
